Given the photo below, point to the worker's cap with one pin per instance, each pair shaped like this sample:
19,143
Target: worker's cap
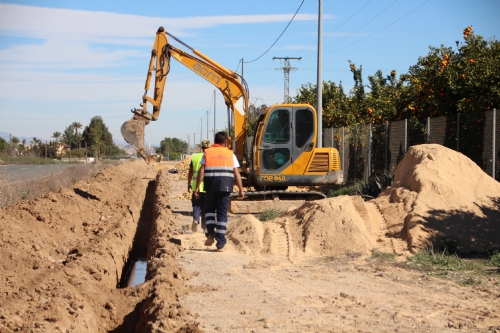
206,144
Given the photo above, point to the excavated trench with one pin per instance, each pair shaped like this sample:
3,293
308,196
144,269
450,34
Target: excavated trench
151,272
134,272
73,261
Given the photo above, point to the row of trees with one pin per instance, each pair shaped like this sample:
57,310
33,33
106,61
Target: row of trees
447,81
95,140
172,148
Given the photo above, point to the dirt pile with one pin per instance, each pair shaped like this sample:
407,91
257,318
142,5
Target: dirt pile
247,234
183,167
441,198
333,226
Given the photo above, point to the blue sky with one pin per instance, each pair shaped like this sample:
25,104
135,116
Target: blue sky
66,61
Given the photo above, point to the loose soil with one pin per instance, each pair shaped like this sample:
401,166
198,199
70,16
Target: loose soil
63,257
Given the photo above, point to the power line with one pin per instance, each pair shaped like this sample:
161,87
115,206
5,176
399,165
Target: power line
331,32
402,17
336,27
352,33
247,62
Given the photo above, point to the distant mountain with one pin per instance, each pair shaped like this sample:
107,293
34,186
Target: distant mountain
6,136
119,142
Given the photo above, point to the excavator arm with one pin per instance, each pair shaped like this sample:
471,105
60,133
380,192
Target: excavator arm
229,83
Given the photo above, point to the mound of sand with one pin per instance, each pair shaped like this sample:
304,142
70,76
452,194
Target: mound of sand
441,198
334,226
247,234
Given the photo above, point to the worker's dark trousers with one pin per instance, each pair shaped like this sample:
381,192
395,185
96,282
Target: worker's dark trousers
198,208
217,201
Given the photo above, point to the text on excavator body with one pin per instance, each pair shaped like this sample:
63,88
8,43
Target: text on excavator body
206,73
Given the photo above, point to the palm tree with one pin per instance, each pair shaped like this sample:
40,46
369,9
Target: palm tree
76,126
57,136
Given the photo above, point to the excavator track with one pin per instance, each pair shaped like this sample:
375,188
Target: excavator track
280,195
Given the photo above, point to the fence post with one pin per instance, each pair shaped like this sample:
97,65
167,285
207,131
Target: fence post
386,146
428,130
406,135
494,141
343,166
458,131
369,151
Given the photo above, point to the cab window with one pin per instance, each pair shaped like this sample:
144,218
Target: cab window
278,127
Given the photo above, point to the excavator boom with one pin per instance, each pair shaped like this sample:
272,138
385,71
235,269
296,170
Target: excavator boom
232,87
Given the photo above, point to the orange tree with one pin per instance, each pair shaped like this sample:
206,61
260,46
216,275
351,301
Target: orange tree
446,82
334,104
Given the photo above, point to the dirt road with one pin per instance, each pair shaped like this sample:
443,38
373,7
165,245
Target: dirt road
64,258
237,292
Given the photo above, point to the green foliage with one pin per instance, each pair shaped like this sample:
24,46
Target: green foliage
494,259
98,139
440,261
3,146
470,281
383,255
69,137
269,214
253,118
348,189
28,160
445,82
172,147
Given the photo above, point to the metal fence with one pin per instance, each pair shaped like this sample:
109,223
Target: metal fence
372,149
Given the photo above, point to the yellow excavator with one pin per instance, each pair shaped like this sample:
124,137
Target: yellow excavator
282,151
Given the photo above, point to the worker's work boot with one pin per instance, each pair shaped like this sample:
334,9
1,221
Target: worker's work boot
194,226
210,240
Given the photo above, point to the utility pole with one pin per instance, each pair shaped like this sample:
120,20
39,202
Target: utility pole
207,125
201,129
286,69
188,144
319,82
194,141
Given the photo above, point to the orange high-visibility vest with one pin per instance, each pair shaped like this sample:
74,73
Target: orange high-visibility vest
219,169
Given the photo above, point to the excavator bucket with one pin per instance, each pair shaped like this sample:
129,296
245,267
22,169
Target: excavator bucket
133,132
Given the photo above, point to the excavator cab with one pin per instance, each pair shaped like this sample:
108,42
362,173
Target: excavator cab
285,150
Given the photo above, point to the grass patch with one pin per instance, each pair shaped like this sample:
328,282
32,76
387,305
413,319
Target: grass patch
470,281
353,254
329,258
269,214
494,259
385,256
27,160
350,189
440,261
